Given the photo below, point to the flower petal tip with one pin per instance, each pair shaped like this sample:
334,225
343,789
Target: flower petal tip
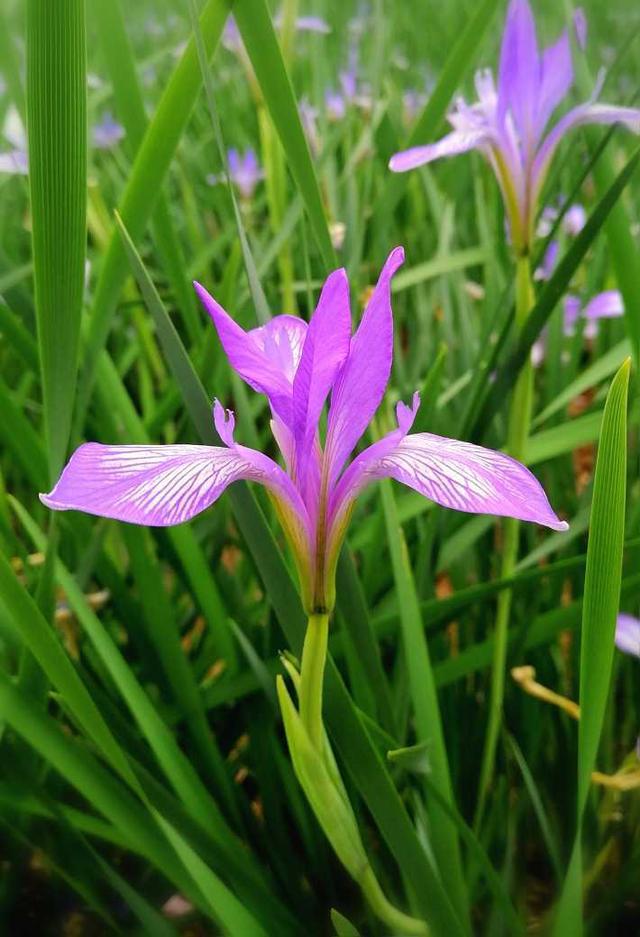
398,163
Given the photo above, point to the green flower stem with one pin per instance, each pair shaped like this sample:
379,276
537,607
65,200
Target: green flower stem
314,656
318,774
517,435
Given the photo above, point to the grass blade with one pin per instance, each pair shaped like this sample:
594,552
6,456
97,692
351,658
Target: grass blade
143,186
57,130
425,705
254,23
599,613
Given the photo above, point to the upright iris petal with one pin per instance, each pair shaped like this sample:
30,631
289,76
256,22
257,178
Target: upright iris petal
361,383
325,350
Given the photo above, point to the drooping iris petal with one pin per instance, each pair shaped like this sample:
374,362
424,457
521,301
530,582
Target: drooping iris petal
555,80
362,381
519,72
456,475
157,485
628,634
456,142
266,357
325,349
589,113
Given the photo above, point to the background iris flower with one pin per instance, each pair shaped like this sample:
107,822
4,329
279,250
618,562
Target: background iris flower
245,172
509,123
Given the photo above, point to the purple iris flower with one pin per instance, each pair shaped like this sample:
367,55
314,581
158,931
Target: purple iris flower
628,634
107,133
508,124
245,172
297,366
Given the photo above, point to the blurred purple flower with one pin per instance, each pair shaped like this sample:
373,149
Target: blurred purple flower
14,163
546,221
349,83
539,350
232,40
508,124
580,27
309,117
305,24
297,366
605,305
574,220
572,309
412,103
335,105
107,133
628,634
547,266
245,172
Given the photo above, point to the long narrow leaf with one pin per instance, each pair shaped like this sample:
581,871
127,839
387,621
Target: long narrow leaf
600,610
57,127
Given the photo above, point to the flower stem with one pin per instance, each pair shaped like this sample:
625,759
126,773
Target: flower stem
517,435
314,656
323,786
